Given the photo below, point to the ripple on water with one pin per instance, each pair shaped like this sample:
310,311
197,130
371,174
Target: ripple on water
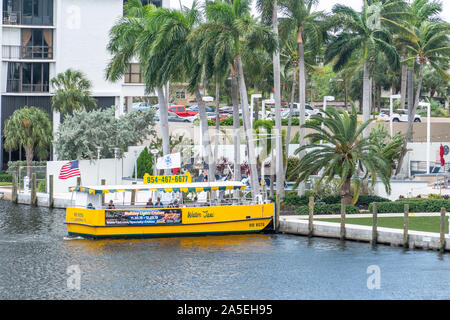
35,254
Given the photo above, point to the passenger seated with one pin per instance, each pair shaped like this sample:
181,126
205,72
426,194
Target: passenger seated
111,205
158,203
149,203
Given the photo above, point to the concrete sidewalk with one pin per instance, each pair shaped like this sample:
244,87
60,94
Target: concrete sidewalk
364,215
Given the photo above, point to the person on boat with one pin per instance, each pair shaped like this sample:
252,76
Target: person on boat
176,202
149,203
158,203
111,205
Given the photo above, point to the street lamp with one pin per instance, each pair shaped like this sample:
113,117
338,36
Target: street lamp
428,105
391,111
154,152
99,149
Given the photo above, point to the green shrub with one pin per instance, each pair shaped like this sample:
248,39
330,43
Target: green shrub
363,200
415,205
5,177
328,209
42,186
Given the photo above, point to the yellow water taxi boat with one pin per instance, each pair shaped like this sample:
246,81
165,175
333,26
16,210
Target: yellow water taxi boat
90,218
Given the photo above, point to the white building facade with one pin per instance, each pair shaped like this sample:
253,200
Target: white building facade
41,38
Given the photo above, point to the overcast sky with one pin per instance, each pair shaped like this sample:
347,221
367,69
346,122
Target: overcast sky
326,5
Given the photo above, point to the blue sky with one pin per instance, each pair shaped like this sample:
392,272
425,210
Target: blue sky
326,5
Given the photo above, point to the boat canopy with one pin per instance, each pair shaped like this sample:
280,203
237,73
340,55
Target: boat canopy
167,187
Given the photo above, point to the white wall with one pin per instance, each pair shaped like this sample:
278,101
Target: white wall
82,34
404,188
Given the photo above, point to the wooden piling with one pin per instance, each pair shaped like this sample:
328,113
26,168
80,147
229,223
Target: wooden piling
15,182
50,191
311,216
342,219
133,195
33,189
442,235
405,226
374,223
277,213
103,182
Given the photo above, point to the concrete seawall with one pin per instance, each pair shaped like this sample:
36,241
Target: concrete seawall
389,236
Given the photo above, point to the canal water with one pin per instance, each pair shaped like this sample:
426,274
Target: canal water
37,262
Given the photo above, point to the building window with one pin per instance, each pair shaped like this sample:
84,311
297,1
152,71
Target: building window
156,3
27,77
37,44
28,12
133,73
180,94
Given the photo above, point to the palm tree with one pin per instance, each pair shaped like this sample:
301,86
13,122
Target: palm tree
72,92
344,153
30,128
311,29
130,39
268,7
230,27
362,33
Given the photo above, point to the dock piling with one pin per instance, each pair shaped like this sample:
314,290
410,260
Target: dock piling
374,223
50,191
277,213
311,216
405,225
442,235
103,182
133,195
15,182
33,189
342,219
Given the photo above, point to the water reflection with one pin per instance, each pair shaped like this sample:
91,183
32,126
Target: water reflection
34,258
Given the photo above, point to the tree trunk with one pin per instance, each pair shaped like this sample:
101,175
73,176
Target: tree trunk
411,112
379,98
346,93
29,158
291,108
164,122
206,142
366,98
419,89
279,140
302,99
216,140
403,84
248,131
346,191
236,126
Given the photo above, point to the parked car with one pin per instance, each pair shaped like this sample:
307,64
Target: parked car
173,117
401,115
141,106
384,115
182,111
296,113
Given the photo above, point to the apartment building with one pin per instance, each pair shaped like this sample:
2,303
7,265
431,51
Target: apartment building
41,38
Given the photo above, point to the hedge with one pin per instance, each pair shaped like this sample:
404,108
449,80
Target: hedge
5,177
416,205
363,200
328,209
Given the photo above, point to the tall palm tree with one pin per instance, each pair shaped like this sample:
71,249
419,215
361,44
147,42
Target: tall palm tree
299,15
364,33
129,41
345,153
72,92
30,128
267,7
230,26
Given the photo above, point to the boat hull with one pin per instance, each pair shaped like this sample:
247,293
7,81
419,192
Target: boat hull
194,221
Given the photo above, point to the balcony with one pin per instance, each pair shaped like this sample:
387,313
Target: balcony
17,87
18,18
27,52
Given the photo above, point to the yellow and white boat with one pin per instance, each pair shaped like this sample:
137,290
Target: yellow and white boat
92,219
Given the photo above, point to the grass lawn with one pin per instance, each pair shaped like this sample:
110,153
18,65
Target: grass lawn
5,184
429,224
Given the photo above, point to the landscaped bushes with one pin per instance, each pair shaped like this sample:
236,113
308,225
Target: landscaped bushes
415,205
5,177
363,200
328,209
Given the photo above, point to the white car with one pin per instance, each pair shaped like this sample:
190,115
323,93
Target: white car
296,113
384,115
401,115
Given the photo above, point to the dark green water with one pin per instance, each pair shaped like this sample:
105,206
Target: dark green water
35,257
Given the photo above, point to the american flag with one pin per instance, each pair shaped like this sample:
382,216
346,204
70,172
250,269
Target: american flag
69,170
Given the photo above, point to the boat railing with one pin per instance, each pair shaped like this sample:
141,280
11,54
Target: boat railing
212,203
